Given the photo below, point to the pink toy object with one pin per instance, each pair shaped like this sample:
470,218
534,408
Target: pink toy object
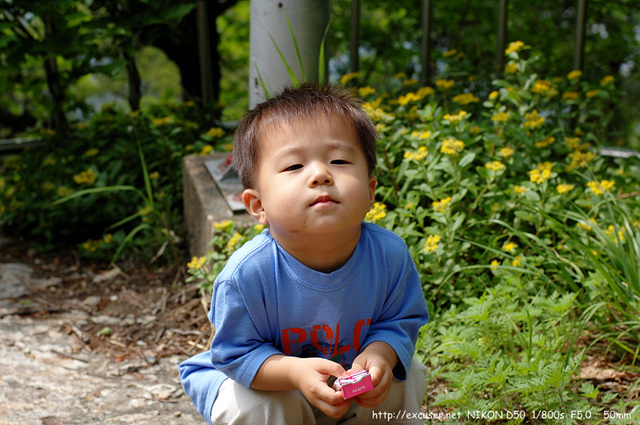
354,384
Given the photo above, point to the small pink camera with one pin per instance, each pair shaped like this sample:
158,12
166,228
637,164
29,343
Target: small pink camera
354,384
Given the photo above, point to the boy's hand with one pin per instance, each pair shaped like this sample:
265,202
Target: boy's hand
379,359
307,375
313,374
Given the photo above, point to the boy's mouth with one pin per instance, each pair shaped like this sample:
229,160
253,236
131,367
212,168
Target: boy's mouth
326,199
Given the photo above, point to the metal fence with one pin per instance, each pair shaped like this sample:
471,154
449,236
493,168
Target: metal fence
426,46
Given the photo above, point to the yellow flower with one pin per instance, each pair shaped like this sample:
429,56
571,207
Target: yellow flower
579,159
584,226
506,152
509,247
146,210
465,98
366,91
576,73
494,263
91,245
449,53
519,189
441,205
516,261
191,125
400,76
606,80
376,114
573,142
598,188
64,191
545,142
514,46
49,160
541,86
215,132
431,244
162,121
475,130
539,177
533,120
259,227
237,237
88,177
421,135
592,93
348,77
92,152
564,188
418,155
571,95
444,84
456,118
47,132
108,238
154,176
494,95
500,117
545,166
494,165
196,263
511,68
206,150
377,212
224,226
424,91
407,98
452,146
409,82
611,232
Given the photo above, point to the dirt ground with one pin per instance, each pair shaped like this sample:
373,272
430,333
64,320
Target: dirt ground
82,343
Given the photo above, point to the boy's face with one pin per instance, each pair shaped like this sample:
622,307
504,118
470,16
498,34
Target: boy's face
312,178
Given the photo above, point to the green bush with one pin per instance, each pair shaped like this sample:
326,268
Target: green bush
525,237
79,190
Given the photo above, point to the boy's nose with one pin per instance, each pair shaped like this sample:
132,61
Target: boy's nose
320,176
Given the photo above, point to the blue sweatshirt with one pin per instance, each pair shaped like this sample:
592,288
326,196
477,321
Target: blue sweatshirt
266,302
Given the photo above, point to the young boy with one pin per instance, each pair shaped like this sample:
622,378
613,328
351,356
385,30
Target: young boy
318,293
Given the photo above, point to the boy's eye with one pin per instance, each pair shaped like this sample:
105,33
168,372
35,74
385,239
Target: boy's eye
293,167
340,161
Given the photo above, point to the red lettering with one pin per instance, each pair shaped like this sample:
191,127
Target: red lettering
286,343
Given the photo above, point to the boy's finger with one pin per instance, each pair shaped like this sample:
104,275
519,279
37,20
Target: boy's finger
355,367
331,368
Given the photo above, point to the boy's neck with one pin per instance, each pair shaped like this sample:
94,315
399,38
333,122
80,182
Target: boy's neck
323,253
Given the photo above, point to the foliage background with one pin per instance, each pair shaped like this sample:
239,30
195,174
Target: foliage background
525,237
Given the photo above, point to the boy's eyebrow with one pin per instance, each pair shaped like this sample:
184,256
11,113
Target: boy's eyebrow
293,150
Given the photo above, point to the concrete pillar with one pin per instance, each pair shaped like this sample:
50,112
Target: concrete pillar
309,20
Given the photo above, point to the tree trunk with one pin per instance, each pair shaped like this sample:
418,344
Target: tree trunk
133,76
58,118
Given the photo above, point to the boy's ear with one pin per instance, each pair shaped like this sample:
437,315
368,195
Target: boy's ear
253,204
372,190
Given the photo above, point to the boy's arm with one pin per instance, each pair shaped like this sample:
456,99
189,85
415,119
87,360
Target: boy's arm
200,382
